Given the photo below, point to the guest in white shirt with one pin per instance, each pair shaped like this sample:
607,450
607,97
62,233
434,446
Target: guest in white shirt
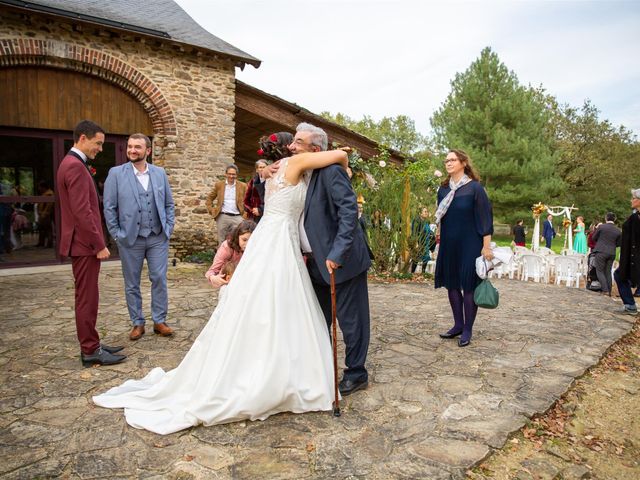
228,196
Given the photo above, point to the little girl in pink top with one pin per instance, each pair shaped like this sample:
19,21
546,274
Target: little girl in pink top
229,251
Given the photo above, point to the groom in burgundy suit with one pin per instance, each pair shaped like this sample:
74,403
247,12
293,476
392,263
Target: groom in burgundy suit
81,239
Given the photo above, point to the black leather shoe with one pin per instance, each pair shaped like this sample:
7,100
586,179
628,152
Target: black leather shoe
100,357
450,335
109,349
463,343
347,387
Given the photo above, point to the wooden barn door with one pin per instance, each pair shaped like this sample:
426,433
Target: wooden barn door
40,108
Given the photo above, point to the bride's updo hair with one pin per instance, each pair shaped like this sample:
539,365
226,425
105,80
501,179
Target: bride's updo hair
274,147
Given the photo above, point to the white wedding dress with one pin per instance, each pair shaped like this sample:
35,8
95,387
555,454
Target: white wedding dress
265,349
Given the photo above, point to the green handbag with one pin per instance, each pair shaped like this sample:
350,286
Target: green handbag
486,295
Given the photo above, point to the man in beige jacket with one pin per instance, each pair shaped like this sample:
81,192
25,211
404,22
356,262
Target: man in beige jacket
228,196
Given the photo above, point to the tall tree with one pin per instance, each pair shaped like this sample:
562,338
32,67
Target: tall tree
597,160
504,127
398,133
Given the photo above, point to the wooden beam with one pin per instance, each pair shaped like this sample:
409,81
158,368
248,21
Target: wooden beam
276,110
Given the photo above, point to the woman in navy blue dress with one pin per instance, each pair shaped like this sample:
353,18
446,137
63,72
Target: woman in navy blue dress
465,221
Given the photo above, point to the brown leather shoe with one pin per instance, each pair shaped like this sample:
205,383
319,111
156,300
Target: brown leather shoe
162,329
137,332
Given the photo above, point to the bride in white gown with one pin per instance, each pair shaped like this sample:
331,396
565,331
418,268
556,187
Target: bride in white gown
266,347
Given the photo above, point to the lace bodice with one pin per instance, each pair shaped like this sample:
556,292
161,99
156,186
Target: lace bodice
282,198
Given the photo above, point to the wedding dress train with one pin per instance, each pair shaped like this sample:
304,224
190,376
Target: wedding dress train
265,349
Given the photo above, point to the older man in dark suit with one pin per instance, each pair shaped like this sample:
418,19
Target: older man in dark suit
81,239
333,241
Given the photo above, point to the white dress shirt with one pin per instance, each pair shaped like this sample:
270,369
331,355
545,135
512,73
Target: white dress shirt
304,240
143,177
82,155
229,202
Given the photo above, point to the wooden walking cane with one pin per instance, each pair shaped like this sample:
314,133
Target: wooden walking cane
334,341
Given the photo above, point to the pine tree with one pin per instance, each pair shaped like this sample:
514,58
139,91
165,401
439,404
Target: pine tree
504,128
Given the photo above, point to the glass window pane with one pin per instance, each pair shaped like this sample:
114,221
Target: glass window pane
27,228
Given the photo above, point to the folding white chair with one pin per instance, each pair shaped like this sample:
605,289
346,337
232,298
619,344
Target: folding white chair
431,267
583,262
568,270
496,271
614,266
545,251
510,269
533,266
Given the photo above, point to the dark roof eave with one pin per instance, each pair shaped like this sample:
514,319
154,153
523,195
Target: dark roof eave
120,26
296,109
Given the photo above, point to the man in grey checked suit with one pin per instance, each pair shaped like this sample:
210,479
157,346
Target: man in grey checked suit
139,213
607,237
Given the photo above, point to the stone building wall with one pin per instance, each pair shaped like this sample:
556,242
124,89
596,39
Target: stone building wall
189,95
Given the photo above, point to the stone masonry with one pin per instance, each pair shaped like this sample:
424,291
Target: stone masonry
432,409
189,96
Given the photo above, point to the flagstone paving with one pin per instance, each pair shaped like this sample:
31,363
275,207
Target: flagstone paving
432,410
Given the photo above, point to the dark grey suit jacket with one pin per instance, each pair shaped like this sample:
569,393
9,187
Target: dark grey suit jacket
607,238
331,224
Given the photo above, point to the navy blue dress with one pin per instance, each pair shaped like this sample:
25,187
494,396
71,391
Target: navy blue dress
468,219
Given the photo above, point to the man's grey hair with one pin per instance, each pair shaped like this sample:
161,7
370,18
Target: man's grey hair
231,165
318,135
636,192
258,162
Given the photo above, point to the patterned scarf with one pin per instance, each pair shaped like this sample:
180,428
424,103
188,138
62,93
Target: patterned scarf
446,201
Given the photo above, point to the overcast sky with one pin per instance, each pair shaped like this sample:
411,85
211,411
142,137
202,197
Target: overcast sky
387,58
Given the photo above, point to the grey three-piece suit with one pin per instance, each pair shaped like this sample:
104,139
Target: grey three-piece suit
141,222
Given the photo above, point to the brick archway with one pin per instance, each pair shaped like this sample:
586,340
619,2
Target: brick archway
57,54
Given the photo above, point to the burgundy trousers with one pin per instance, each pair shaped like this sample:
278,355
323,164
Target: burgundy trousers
85,272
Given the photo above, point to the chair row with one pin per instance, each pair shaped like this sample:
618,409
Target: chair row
542,268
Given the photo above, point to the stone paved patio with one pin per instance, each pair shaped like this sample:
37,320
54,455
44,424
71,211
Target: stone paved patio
432,409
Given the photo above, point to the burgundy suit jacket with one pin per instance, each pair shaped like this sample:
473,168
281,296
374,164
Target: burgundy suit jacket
80,224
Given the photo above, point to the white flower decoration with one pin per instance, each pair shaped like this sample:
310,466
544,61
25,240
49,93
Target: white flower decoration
382,163
437,173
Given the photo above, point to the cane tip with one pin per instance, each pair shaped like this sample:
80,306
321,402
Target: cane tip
336,412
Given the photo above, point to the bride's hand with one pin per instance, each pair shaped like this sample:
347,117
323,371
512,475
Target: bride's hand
270,170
